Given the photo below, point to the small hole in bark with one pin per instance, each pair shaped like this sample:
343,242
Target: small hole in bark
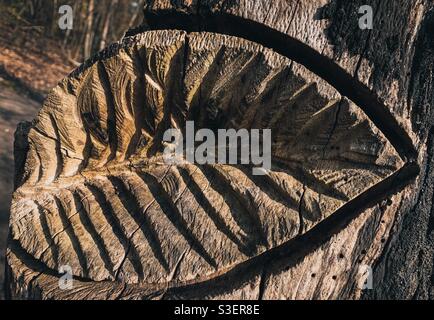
334,277
341,256
313,275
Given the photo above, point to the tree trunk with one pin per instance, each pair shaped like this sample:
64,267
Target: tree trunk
106,26
343,213
88,40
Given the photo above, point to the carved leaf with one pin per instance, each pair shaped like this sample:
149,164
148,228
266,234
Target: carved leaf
95,193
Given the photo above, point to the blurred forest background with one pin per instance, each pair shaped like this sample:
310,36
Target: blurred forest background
35,54
95,22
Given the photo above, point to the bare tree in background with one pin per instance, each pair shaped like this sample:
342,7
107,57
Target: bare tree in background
96,23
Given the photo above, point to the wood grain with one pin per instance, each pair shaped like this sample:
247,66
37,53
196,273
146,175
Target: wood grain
94,192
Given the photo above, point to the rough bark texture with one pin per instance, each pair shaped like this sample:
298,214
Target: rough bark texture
350,113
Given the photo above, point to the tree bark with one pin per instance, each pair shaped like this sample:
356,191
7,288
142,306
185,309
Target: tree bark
350,189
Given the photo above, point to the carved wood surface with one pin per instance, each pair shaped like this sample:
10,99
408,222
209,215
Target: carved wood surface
93,191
